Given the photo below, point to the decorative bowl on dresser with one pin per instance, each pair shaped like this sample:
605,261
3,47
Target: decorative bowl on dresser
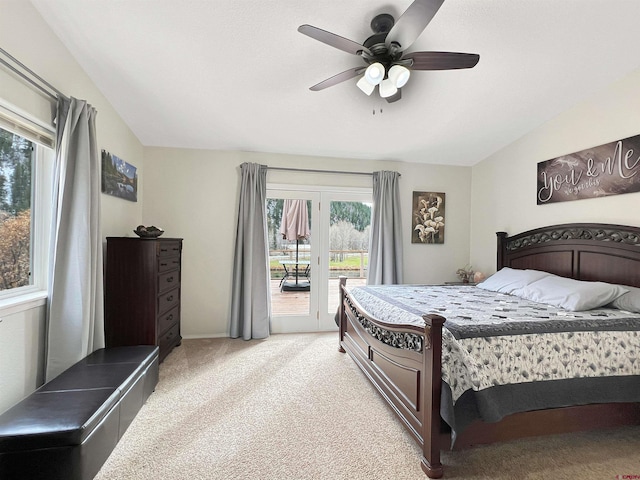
148,232
142,292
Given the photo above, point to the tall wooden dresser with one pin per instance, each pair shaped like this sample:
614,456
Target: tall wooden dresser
142,292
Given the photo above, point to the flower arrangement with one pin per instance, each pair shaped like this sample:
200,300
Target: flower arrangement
466,274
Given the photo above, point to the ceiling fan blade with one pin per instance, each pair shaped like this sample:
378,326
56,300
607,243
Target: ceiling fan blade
411,24
333,40
441,60
340,77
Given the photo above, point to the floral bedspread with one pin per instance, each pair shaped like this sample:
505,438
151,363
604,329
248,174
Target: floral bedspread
494,339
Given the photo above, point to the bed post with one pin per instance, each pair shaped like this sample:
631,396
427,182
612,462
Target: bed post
432,383
341,314
502,249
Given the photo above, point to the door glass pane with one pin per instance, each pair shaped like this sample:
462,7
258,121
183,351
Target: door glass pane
289,227
349,230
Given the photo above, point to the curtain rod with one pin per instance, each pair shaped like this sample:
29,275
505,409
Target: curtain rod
30,78
309,170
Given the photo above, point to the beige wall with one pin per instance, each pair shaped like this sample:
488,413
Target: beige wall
191,194
194,193
25,35
504,185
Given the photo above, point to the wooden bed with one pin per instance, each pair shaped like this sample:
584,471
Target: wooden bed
410,380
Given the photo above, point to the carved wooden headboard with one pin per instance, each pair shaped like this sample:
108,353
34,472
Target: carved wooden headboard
584,251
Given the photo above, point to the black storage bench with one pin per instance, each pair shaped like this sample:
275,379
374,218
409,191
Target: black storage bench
68,427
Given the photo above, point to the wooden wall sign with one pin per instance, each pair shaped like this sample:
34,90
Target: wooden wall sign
609,169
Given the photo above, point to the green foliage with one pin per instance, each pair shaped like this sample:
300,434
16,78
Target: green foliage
356,213
349,262
15,210
14,250
15,173
349,230
21,187
274,217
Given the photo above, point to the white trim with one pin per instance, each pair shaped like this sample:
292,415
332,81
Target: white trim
41,221
22,302
22,123
319,188
27,117
202,336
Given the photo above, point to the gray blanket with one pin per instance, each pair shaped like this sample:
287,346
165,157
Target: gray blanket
495,345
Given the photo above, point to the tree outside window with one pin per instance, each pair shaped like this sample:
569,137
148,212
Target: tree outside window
16,155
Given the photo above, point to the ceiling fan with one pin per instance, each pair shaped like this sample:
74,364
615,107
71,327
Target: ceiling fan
388,66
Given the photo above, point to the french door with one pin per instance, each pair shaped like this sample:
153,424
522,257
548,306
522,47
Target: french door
304,272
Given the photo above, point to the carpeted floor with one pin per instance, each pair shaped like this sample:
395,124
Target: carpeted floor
292,407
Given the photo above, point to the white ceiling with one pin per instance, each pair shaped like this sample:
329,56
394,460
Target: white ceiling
235,74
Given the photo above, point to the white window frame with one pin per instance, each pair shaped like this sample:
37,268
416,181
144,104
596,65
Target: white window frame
30,296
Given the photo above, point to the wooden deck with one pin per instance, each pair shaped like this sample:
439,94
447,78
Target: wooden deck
297,303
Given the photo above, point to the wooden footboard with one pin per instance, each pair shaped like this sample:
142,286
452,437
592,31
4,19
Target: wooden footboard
404,364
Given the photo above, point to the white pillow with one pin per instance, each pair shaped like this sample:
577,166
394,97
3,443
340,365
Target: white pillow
510,280
629,301
573,295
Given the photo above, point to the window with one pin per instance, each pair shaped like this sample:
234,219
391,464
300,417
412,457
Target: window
16,155
25,198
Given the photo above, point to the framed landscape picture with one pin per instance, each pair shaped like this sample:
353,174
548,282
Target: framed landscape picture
428,211
119,178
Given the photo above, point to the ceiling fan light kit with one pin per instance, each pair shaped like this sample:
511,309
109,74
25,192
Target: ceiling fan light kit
374,73
399,75
384,51
364,85
387,88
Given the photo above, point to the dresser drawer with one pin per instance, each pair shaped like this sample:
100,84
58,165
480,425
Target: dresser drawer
169,339
168,263
167,319
166,249
169,280
168,300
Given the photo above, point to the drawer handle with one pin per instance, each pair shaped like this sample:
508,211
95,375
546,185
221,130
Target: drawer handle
169,298
170,317
163,264
170,279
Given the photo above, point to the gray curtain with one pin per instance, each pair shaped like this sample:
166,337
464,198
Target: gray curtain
250,296
75,317
385,247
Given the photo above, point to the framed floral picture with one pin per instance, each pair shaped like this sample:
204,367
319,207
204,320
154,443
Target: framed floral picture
428,210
